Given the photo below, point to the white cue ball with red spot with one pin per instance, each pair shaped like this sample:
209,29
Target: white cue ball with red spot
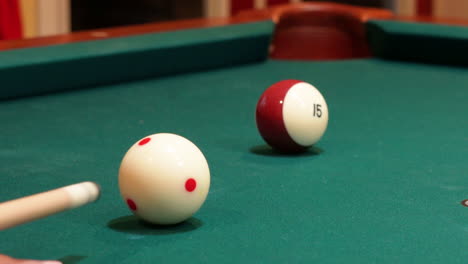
291,115
164,178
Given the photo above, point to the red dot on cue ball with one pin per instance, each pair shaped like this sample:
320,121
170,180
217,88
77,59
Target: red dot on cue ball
144,141
131,204
190,185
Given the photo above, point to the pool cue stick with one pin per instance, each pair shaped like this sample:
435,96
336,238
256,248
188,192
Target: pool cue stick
36,206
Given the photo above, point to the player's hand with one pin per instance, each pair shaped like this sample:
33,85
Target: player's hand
9,260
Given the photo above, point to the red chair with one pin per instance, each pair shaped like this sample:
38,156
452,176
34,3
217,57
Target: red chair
10,22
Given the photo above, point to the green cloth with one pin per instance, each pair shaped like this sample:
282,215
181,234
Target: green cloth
384,184
421,42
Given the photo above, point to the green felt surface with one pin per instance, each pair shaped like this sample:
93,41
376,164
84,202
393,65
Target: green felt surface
422,42
35,71
384,185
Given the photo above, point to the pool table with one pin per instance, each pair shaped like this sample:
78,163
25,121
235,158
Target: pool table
385,184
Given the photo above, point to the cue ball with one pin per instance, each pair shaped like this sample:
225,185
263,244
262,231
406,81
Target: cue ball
291,115
164,178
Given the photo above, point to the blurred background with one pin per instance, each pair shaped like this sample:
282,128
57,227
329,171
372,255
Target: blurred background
35,18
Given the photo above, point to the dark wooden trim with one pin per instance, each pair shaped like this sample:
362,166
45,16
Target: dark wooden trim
320,31
275,13
106,33
243,17
361,13
433,20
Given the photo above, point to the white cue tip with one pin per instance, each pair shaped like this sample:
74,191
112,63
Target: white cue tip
83,193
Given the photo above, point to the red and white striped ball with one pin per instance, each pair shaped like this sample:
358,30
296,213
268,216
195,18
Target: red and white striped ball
291,115
164,178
